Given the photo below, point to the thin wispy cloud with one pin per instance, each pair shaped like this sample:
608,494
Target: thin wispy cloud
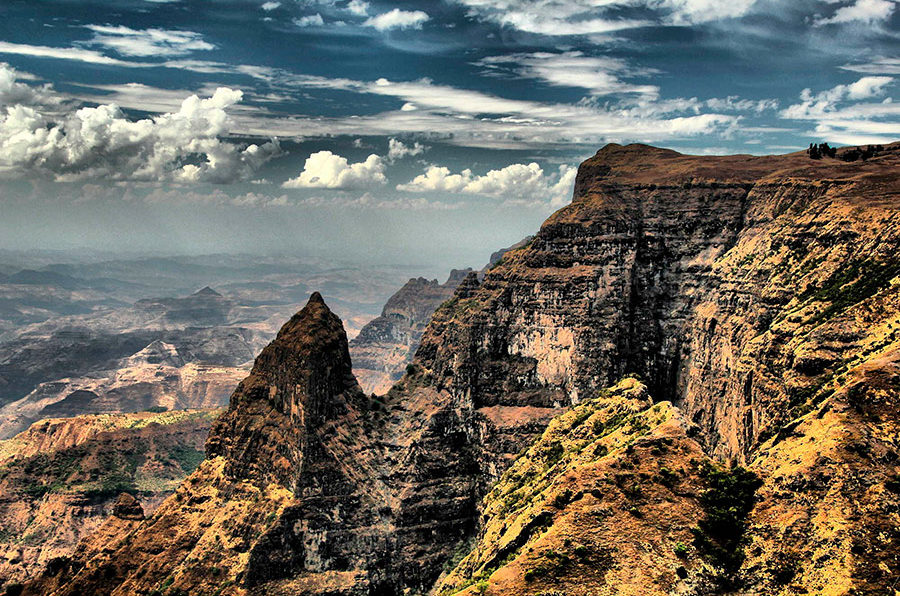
148,42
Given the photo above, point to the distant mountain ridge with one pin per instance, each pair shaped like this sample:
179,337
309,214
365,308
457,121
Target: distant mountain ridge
568,424
385,346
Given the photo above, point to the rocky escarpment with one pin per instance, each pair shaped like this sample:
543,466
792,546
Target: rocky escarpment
60,479
721,281
750,293
385,346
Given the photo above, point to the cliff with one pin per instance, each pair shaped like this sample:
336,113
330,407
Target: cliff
385,346
757,298
60,479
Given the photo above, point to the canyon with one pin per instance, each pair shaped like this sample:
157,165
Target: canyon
685,383
386,344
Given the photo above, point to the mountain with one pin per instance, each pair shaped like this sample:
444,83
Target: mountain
62,479
685,383
385,346
497,256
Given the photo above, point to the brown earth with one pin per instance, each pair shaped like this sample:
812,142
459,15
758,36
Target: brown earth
385,346
757,297
60,479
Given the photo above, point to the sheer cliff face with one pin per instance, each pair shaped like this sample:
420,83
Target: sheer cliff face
749,293
714,279
386,344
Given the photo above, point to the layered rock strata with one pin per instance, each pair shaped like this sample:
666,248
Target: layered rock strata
751,295
386,345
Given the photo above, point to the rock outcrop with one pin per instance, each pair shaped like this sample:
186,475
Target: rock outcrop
63,478
758,299
385,346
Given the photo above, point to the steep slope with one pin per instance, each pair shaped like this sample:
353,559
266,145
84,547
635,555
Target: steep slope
387,343
746,291
60,479
616,497
263,455
723,281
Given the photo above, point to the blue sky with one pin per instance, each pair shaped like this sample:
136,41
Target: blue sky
398,130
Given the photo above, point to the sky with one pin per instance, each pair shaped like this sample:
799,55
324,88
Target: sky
429,132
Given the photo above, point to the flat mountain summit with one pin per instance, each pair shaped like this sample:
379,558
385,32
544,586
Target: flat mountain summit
685,383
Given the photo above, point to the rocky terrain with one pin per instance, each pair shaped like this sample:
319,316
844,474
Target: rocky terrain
686,383
85,338
385,346
62,478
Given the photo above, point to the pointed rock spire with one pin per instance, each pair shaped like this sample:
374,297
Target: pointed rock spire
298,382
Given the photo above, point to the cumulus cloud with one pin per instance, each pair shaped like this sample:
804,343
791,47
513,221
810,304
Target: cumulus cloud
516,183
102,142
325,169
269,6
398,150
820,103
701,11
358,7
398,19
13,92
148,42
868,12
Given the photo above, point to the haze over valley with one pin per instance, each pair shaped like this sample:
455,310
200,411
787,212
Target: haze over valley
449,297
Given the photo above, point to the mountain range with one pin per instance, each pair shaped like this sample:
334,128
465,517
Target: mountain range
685,383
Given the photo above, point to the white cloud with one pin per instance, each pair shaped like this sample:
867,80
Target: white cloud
598,17
314,20
398,150
473,118
13,92
864,11
516,183
884,66
324,169
814,106
842,115
148,42
77,54
599,75
101,142
702,11
398,19
868,87
358,7
438,178
93,57
269,6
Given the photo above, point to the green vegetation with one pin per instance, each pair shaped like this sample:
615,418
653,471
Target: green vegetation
858,281
111,485
726,503
187,457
